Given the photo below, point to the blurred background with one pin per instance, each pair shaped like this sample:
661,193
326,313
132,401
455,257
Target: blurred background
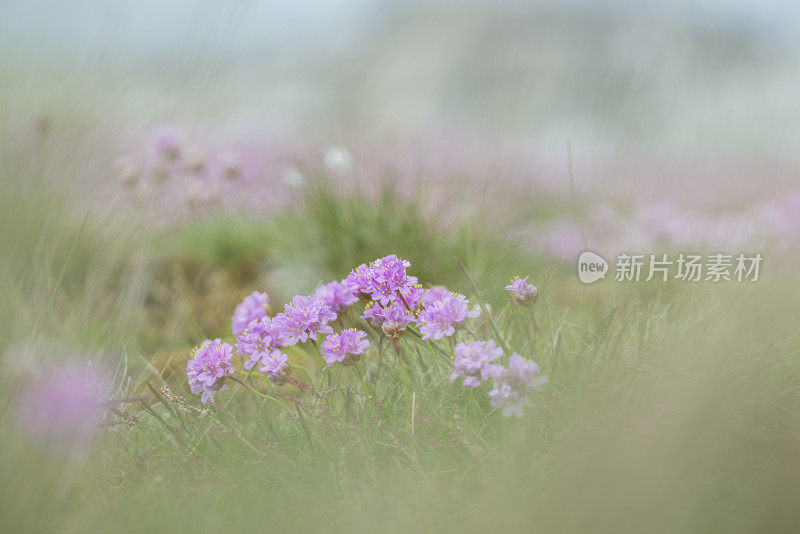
679,114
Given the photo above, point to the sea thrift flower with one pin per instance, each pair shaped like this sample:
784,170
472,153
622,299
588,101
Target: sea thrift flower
254,306
373,313
473,362
258,342
524,292
62,406
388,278
395,319
277,368
345,347
208,368
514,384
433,294
441,315
359,281
413,298
304,318
336,296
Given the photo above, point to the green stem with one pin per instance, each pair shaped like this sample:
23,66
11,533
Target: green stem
262,395
364,387
402,369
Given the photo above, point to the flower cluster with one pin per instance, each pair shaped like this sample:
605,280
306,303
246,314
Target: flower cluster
208,368
513,384
436,311
395,303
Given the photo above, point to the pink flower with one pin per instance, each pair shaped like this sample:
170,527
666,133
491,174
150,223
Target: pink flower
303,318
442,314
208,368
383,281
514,384
359,281
254,306
389,278
345,347
259,343
524,292
63,406
473,362
336,296
277,369
373,313
395,319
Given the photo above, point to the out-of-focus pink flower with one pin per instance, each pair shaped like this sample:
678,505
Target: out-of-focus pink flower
63,406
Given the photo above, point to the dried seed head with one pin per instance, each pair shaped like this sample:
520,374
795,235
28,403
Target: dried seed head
281,377
392,331
128,171
231,168
195,161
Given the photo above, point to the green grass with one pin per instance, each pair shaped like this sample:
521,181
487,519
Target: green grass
669,408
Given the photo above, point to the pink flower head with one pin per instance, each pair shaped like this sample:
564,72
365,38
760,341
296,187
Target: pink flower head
277,368
374,313
433,294
395,319
389,277
442,314
258,342
63,406
473,362
303,318
359,281
413,297
336,296
254,306
344,347
524,292
208,368
514,384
